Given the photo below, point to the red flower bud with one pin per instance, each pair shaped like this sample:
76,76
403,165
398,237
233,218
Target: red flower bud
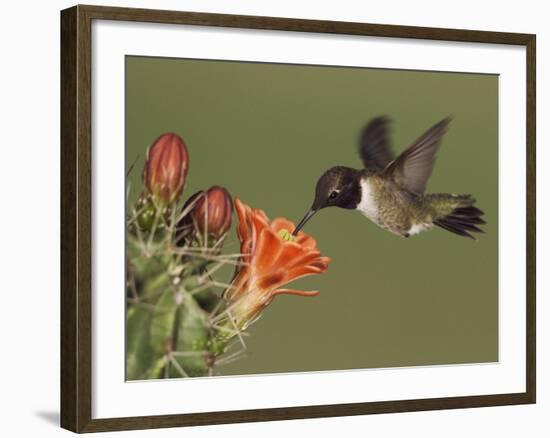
212,211
165,168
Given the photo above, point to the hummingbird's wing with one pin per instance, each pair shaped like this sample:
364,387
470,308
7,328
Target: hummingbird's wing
374,144
413,167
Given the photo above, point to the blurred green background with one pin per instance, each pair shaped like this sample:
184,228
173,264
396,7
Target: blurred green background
266,132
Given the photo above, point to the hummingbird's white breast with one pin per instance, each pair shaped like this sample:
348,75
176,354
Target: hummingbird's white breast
401,225
368,205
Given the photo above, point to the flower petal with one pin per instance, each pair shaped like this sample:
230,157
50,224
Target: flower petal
246,250
258,223
303,293
242,214
272,280
305,259
306,240
267,251
302,271
281,223
240,283
291,251
261,214
321,262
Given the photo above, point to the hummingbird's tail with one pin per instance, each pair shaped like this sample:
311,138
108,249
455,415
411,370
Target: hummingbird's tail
456,213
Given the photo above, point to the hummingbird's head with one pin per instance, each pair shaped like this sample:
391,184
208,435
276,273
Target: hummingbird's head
337,187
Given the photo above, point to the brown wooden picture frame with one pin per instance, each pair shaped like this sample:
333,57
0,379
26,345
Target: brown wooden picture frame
76,214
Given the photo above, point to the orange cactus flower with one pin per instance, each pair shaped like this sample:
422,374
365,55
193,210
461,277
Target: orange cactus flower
271,258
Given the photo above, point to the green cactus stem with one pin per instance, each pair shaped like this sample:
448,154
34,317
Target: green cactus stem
175,325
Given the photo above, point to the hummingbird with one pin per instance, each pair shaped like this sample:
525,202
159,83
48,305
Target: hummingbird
391,191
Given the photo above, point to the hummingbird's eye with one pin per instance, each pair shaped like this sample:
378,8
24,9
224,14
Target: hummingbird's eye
333,194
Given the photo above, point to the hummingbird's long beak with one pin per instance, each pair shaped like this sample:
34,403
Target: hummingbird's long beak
307,217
